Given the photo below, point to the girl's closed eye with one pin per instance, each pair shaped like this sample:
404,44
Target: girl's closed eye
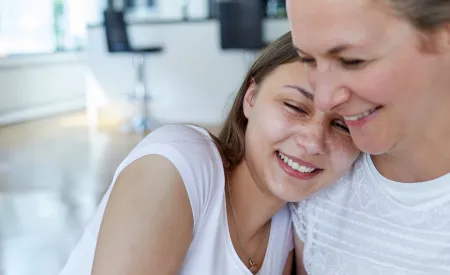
307,60
295,109
340,126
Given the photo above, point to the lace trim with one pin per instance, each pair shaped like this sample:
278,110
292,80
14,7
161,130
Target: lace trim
363,193
330,263
369,250
378,221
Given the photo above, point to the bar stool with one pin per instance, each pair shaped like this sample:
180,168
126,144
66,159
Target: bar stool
118,42
241,27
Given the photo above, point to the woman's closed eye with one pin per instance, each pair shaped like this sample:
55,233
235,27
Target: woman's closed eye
345,62
350,63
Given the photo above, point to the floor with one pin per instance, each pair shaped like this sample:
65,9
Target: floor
52,174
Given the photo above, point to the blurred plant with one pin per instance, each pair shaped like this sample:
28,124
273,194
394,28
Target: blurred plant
58,24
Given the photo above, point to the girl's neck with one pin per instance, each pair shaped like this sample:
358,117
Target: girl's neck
253,204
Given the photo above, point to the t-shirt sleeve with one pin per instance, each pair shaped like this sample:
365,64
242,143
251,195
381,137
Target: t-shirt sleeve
193,153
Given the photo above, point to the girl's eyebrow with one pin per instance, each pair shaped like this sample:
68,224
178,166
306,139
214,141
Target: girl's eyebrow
305,93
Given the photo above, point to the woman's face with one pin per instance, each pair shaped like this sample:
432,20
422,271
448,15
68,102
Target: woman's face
291,147
372,67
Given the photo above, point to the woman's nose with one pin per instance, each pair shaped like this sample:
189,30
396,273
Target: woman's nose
329,93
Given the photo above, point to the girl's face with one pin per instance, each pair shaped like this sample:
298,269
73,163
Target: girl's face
291,148
373,68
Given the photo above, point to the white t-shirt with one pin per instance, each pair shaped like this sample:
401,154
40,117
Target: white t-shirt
367,224
198,161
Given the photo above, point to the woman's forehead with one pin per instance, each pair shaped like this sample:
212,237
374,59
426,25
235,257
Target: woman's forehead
323,25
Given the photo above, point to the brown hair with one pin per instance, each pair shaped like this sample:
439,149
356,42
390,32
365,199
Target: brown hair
231,142
423,14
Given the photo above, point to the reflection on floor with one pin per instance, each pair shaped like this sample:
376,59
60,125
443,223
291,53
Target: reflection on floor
52,175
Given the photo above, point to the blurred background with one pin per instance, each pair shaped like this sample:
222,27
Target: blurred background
82,81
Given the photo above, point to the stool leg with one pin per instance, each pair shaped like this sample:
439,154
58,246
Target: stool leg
146,122
141,122
141,94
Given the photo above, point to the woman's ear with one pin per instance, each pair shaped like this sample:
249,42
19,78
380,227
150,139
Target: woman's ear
249,98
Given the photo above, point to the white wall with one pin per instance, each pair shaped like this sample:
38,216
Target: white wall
164,9
172,9
193,79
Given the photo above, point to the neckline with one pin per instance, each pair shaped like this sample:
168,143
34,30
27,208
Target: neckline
232,250
384,185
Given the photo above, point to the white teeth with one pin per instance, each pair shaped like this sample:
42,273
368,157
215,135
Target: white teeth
353,118
295,165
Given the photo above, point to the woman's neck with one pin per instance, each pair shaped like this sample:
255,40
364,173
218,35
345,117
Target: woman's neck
253,204
423,157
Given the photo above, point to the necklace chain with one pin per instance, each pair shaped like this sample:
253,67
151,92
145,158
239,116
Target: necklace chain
251,259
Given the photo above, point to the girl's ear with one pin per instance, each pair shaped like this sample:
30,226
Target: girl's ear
249,98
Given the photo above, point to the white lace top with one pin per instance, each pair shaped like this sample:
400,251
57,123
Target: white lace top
369,225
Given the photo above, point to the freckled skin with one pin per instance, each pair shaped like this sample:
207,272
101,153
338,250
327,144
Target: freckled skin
311,135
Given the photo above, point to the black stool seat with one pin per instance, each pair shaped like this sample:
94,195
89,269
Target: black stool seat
117,35
241,25
147,50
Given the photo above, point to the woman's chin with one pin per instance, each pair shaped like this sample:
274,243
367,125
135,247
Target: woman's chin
374,145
